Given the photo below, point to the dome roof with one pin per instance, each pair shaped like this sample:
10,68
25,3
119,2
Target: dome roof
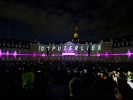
75,35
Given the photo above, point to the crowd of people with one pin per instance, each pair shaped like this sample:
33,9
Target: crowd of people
84,80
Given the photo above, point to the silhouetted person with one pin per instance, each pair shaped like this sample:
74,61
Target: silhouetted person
76,89
123,91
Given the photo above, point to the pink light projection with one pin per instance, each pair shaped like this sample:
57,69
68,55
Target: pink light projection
53,55
98,54
106,54
7,54
43,55
15,54
81,54
86,55
0,53
70,54
76,54
129,53
34,54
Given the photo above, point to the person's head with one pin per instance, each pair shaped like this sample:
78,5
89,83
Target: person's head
75,87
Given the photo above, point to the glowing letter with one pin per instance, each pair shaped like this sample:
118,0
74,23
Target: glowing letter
48,48
39,47
59,48
93,47
53,47
76,47
42,48
82,48
70,48
99,47
64,47
87,47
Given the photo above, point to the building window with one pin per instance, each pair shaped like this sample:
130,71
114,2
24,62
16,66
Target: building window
4,44
114,44
12,45
19,45
126,43
16,45
131,42
27,46
12,58
23,46
84,58
8,45
3,50
7,58
118,44
19,52
3,58
122,43
19,58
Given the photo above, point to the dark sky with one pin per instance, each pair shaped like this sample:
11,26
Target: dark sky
54,20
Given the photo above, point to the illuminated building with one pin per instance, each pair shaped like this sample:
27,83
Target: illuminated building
123,46
9,48
113,51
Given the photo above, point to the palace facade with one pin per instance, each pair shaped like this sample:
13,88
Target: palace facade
111,51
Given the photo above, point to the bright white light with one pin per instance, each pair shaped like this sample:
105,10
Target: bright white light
68,54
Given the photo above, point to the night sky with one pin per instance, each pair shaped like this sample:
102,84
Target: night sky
55,20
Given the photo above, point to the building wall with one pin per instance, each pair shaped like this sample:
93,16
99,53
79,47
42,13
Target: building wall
122,50
23,47
14,45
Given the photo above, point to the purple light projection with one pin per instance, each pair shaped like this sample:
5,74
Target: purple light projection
7,53
129,54
53,55
0,53
98,54
86,55
70,54
106,54
43,55
34,54
15,54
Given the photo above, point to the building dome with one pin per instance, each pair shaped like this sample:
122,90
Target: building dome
75,35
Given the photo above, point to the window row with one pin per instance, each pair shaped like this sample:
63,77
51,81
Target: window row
14,45
119,44
10,58
10,51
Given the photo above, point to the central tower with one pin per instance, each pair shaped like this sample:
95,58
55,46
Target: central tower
75,35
